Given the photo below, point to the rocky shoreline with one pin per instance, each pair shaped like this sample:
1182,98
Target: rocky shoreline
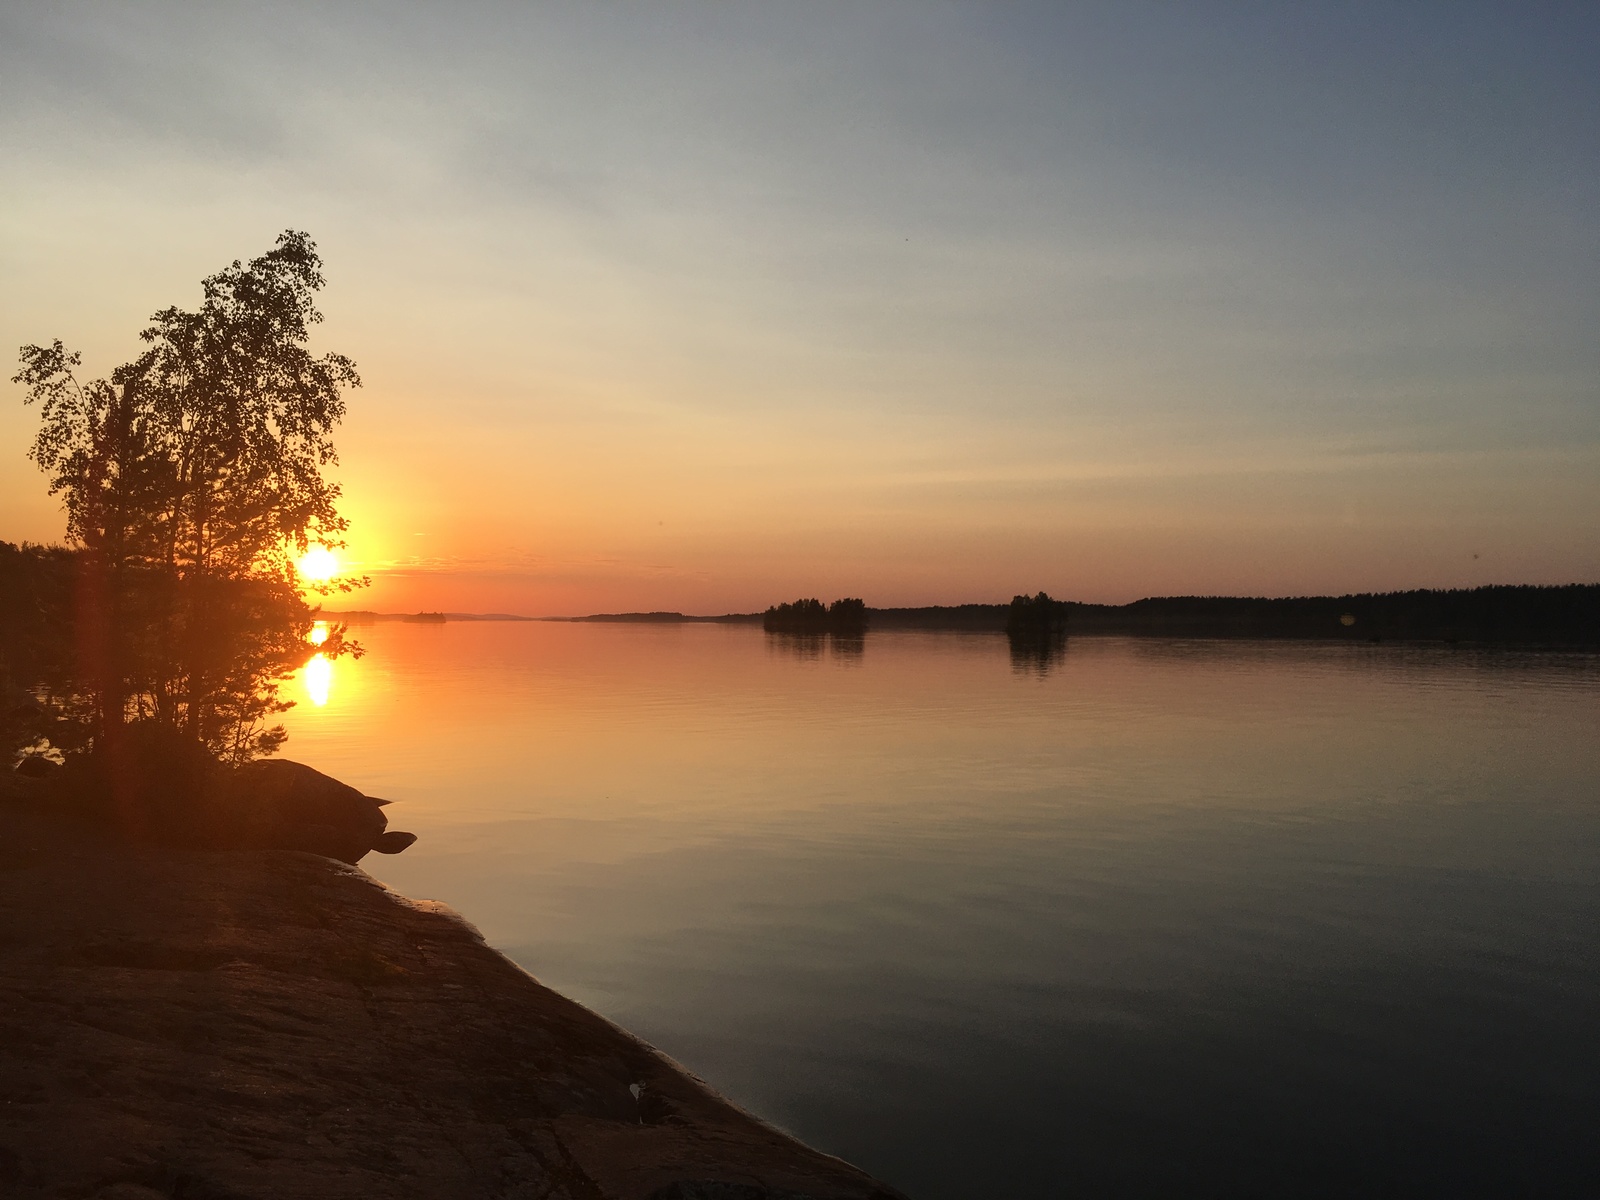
238,1024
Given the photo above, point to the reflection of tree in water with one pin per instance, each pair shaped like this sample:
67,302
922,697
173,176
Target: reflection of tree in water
192,478
810,647
848,647
807,647
1037,655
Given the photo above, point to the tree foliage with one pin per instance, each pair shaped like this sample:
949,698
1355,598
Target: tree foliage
1036,617
206,452
192,477
846,618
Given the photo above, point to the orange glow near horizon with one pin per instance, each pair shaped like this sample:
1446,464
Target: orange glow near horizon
919,323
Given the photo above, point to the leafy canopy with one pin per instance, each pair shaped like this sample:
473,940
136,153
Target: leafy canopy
206,452
192,477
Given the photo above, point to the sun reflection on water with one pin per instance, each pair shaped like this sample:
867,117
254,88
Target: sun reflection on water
318,678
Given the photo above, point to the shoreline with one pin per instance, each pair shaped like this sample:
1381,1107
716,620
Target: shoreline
1564,615
233,1025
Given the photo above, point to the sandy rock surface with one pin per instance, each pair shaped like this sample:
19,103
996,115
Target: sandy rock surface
232,1025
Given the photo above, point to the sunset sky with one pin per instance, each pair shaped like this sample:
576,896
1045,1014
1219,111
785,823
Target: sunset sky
705,306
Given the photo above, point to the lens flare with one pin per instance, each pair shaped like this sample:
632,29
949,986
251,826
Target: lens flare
318,565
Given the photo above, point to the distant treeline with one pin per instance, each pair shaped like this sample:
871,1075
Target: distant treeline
842,618
1559,616
361,616
661,618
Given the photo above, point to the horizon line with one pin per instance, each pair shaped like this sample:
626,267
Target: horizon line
666,614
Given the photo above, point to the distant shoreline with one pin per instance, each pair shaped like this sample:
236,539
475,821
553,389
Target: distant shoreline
1557,615
365,617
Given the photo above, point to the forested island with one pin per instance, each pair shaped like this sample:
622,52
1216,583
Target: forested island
843,618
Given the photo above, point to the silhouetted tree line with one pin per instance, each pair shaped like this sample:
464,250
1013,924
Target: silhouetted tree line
191,478
1565,615
984,618
843,618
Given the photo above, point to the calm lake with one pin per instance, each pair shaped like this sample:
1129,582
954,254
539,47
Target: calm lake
1160,918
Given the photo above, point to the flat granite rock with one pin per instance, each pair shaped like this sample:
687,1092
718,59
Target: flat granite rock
268,1024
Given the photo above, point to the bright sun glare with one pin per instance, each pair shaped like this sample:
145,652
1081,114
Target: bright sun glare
318,565
318,679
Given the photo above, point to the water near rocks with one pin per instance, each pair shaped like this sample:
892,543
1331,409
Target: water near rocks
1158,918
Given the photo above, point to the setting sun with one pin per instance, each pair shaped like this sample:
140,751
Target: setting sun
318,565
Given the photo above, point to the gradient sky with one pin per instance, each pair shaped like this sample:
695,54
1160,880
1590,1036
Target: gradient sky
703,306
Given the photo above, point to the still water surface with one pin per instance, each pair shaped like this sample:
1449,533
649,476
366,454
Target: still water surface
1166,918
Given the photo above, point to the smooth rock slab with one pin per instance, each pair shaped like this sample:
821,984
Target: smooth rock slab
231,1025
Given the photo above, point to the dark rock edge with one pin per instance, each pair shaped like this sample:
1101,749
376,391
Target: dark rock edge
227,1025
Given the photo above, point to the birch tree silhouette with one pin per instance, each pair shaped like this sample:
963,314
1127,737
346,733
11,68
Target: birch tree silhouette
192,478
